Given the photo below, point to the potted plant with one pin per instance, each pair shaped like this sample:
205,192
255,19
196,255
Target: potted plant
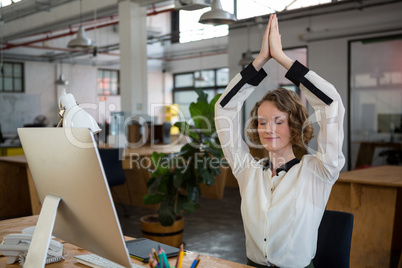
176,178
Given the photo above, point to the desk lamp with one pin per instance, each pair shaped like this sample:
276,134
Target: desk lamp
72,116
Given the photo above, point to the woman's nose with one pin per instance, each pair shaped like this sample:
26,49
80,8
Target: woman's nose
270,127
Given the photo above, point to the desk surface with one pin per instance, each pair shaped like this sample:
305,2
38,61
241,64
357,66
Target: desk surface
147,150
18,224
381,175
14,158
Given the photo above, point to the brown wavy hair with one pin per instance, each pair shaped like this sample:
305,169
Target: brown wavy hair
301,131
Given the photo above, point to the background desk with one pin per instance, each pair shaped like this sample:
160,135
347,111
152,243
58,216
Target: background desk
17,196
17,225
374,196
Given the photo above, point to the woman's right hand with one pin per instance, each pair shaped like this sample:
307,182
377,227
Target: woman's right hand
275,45
265,53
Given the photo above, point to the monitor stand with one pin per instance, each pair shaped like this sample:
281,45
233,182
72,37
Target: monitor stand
38,248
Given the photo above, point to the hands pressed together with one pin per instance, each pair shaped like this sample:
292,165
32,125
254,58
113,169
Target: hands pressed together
272,46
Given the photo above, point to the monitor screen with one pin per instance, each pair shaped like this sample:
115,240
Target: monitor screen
66,163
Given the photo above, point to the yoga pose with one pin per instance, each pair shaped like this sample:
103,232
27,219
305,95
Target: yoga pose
283,198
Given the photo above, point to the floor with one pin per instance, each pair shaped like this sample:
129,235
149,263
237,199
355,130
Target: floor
216,229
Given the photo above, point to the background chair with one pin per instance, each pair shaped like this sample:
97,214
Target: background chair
334,240
113,168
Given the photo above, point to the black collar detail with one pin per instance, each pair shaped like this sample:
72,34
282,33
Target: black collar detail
285,167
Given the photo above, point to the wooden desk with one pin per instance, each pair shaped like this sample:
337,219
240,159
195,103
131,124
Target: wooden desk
366,151
374,196
18,195
17,225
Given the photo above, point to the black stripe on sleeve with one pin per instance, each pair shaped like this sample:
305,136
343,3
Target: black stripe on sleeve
297,73
232,92
250,76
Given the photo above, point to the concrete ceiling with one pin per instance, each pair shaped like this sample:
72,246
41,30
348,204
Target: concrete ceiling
33,30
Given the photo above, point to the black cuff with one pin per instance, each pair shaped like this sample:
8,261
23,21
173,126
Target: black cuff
251,75
296,73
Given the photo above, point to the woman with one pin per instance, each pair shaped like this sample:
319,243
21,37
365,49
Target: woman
283,198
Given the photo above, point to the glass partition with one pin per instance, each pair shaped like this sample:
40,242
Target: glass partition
375,113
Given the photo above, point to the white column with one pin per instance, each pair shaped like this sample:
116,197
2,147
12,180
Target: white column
133,58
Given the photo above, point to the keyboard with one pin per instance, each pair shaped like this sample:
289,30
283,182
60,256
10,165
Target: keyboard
93,260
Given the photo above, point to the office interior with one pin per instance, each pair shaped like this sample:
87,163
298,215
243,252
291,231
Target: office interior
356,45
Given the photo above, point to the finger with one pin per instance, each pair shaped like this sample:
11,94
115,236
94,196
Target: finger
276,22
269,24
273,23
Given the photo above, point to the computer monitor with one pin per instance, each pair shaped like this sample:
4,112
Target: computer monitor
66,166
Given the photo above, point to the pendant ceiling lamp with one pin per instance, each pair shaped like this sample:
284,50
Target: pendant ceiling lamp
62,80
81,40
217,16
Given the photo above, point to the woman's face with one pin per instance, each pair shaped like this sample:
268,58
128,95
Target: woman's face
273,128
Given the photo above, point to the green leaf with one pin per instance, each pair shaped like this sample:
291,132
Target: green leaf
159,162
199,113
188,150
202,96
187,130
184,206
179,177
207,174
213,151
213,102
152,198
153,185
166,213
193,193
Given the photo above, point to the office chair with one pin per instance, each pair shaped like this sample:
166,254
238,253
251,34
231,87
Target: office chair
113,168
334,239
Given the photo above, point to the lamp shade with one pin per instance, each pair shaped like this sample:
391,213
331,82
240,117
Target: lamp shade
247,58
217,16
81,40
62,81
76,117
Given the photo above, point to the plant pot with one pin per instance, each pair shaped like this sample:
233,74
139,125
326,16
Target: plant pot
169,235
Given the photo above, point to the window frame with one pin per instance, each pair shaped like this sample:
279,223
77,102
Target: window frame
13,77
215,87
118,82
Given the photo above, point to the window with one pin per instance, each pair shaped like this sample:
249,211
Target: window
212,81
248,9
191,30
108,82
12,77
375,116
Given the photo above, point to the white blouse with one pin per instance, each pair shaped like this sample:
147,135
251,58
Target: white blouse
282,212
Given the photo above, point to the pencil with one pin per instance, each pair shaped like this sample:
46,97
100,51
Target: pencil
178,257
155,255
151,261
195,261
165,259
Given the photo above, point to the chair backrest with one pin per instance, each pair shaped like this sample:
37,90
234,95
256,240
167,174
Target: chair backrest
112,165
334,240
